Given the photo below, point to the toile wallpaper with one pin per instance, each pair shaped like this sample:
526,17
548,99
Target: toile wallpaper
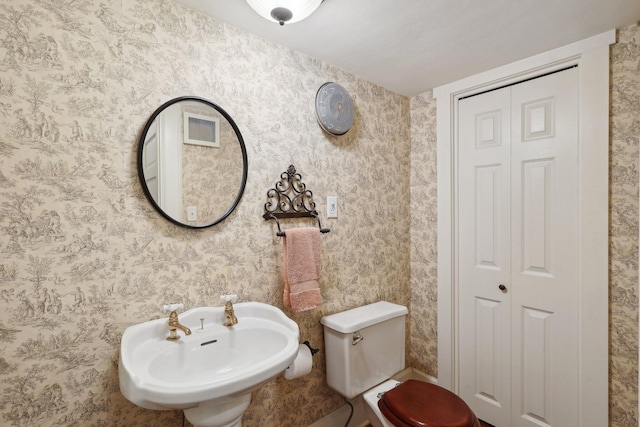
84,255
623,228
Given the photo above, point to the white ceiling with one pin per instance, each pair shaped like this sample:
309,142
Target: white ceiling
411,46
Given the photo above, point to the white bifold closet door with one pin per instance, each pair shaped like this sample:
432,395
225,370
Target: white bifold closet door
517,210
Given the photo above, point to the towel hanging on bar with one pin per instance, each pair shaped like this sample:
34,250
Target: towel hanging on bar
301,247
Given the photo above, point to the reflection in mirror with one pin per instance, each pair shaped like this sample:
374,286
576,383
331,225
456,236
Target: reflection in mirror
192,162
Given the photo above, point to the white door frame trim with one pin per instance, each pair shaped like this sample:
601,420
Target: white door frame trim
592,58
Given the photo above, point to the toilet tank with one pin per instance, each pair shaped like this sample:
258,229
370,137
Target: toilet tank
364,346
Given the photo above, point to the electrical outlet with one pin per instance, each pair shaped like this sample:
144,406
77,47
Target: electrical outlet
332,206
192,213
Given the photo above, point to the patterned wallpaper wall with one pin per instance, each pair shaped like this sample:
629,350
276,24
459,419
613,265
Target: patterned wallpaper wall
83,254
623,231
424,228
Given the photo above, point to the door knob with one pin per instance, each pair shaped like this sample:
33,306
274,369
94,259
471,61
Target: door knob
502,287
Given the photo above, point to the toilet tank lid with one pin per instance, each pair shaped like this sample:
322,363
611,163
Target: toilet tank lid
358,318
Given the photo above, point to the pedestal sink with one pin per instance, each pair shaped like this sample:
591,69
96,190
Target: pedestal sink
211,373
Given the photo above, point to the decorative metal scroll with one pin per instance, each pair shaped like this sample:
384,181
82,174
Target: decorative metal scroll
290,199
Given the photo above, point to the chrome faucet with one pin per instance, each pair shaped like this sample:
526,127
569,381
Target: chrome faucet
173,323
229,315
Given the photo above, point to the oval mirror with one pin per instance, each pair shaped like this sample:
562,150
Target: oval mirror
192,162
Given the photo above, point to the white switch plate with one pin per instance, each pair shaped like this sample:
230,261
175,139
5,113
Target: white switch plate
332,206
192,213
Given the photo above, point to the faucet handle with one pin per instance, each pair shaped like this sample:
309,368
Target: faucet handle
229,298
173,306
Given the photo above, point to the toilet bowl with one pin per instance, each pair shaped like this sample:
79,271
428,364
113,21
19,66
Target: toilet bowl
364,348
417,404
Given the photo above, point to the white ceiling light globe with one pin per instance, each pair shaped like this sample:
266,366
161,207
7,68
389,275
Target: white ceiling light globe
284,11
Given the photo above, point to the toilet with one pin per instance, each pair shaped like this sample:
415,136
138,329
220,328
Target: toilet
364,348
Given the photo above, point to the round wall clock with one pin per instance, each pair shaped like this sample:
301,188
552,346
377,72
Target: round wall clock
334,108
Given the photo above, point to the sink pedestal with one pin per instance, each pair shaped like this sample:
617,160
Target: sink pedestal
219,413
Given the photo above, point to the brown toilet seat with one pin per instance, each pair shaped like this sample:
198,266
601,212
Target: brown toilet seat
421,404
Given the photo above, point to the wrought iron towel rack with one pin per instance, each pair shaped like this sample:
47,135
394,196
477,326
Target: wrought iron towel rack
290,199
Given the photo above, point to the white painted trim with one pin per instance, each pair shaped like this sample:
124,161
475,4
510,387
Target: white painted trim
414,374
594,236
592,57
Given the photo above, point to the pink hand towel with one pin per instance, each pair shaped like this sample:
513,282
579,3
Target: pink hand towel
302,268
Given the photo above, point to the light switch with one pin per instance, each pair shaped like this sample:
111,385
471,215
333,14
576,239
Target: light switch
332,206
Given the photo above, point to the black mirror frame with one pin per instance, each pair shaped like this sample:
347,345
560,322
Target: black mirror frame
245,164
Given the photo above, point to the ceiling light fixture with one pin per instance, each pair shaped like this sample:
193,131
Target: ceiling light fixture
284,11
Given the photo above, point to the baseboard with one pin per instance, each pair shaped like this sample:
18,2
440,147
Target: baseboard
339,417
414,374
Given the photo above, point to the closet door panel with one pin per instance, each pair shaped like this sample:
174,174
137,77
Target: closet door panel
544,281
484,256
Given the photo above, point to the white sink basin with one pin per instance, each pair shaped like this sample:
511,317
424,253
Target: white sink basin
214,364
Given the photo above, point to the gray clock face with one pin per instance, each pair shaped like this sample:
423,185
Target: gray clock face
334,109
